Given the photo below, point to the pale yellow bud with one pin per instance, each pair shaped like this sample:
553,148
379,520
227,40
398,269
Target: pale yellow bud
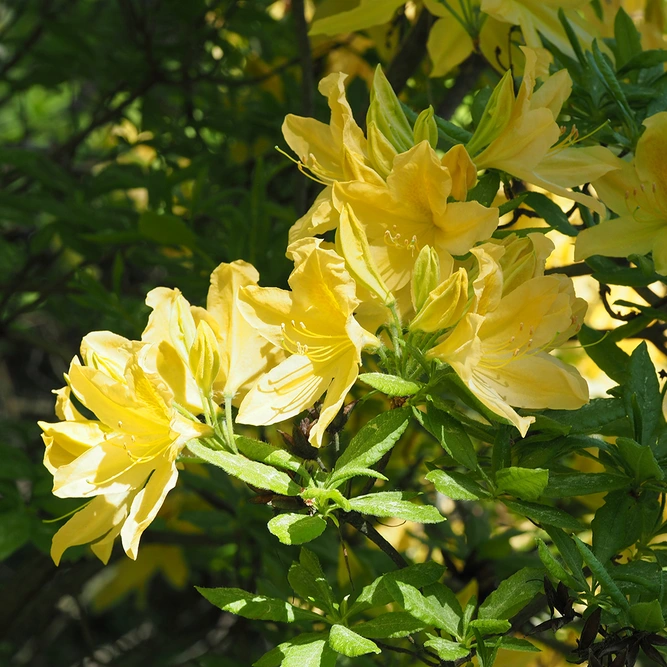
205,357
386,112
352,245
380,152
495,116
425,128
524,258
425,276
444,306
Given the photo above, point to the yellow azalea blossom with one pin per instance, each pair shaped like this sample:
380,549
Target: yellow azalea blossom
364,14
637,192
520,135
123,461
314,324
500,348
411,210
333,152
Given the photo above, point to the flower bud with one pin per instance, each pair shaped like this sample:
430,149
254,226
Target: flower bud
386,112
425,128
425,276
205,357
444,306
352,245
495,116
523,259
380,152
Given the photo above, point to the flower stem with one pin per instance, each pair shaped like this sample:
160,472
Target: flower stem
229,424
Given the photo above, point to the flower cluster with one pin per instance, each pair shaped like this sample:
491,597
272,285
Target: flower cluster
415,274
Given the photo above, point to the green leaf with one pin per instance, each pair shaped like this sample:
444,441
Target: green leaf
308,581
491,626
568,550
314,653
606,354
447,650
452,436
543,514
640,459
392,385
565,485
591,418
391,625
647,616
644,60
349,643
253,606
615,525
270,455
251,472
628,39
641,396
600,64
323,497
513,594
417,604
166,229
447,604
516,644
15,528
351,471
555,569
376,594
456,486
604,578
551,213
296,528
311,563
16,464
371,443
395,504
571,36
510,205
486,189
523,483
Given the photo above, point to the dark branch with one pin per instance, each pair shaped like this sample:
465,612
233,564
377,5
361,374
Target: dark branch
365,528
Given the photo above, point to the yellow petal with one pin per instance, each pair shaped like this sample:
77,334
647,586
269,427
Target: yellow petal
283,392
319,218
660,252
146,505
464,224
568,167
108,352
366,14
67,440
462,170
448,45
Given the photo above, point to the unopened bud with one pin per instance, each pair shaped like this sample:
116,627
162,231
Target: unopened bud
495,116
425,276
380,152
386,112
462,170
205,357
425,128
444,306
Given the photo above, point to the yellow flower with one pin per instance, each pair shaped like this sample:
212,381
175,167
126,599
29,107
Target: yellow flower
334,152
366,14
125,459
315,325
519,135
411,210
244,353
637,193
500,348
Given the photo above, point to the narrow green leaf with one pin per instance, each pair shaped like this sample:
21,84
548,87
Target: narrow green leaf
392,385
512,595
568,550
395,504
523,483
349,643
601,65
166,229
628,39
296,528
591,418
254,473
606,582
253,606
490,626
486,189
551,213
555,569
456,485
392,625
452,436
565,485
543,514
641,396
269,455
371,443
644,60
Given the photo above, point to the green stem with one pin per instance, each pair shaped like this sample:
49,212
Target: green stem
229,427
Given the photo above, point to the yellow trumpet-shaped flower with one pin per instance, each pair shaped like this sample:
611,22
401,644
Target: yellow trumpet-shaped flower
124,460
500,348
333,152
519,135
412,210
314,324
637,193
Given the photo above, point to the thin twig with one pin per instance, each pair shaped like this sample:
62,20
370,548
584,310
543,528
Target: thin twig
365,528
